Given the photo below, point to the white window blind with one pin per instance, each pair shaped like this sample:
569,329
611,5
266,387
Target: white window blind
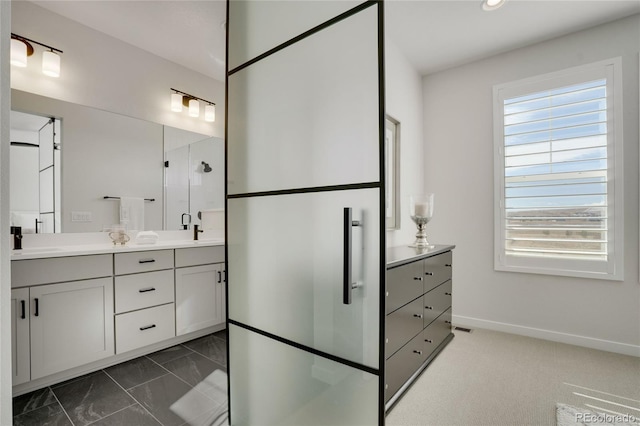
556,174
555,149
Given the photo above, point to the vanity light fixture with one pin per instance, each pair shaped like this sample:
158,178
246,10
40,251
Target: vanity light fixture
21,48
180,99
489,5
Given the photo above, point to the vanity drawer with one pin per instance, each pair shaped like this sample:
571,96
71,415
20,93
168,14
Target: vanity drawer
60,269
437,331
143,261
141,328
436,302
437,269
144,290
404,284
193,256
402,365
402,326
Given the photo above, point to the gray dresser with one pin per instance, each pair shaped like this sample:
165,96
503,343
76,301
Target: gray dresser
418,309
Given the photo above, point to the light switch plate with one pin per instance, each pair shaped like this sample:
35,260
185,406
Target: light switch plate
81,217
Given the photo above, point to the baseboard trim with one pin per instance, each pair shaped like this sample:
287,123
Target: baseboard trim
554,336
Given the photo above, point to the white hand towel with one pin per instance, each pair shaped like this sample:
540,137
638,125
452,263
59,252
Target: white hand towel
132,213
147,237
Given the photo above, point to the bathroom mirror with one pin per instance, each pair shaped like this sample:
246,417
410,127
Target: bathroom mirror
104,154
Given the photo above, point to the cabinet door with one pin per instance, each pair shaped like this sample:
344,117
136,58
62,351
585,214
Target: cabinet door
21,370
71,325
199,297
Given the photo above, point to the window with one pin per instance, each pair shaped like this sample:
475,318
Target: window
558,173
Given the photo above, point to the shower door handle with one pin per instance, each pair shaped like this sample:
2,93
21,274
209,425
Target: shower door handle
347,283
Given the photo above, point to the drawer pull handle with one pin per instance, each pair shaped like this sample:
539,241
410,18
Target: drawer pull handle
447,322
37,312
428,340
428,273
224,274
147,327
417,278
417,352
447,294
145,290
146,260
417,315
219,277
448,265
24,312
428,307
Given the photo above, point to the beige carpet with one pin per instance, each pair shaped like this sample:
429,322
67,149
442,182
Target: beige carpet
491,378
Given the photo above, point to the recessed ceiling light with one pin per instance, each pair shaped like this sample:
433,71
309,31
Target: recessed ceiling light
489,5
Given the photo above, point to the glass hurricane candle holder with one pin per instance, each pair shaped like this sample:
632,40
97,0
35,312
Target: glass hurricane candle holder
421,211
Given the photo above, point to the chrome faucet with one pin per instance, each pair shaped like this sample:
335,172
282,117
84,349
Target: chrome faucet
195,232
16,231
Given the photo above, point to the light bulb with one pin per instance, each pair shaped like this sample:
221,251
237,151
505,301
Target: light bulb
210,113
194,108
51,64
18,53
489,5
176,102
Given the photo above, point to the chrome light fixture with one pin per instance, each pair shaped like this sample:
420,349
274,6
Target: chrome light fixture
490,5
21,48
180,99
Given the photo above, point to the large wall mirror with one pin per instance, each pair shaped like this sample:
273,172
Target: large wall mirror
72,166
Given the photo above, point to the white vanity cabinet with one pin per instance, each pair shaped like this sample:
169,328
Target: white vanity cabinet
200,278
66,323
144,296
20,363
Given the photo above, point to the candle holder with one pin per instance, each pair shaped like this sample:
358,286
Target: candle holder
421,211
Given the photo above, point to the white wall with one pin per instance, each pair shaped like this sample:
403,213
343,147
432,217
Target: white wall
5,274
106,73
404,103
459,169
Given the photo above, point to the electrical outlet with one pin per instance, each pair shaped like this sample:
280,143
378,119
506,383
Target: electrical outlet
81,217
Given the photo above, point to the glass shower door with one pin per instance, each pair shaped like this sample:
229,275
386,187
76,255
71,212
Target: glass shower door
305,216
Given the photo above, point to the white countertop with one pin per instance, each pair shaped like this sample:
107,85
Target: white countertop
40,252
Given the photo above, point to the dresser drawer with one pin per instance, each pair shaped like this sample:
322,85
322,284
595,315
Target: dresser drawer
193,256
143,261
402,325
402,365
437,269
141,328
144,290
60,269
436,302
437,331
404,284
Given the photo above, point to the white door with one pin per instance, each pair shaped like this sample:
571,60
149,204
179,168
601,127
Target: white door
20,362
305,212
199,297
71,325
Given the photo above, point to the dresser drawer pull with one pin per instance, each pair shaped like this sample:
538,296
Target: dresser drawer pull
447,294
37,302
428,273
146,260
417,278
417,352
428,307
224,273
428,340
417,315
448,265
24,312
219,276
147,327
146,290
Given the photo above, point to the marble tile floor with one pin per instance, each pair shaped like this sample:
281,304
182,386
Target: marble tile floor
182,385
